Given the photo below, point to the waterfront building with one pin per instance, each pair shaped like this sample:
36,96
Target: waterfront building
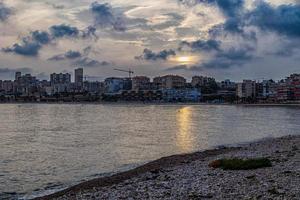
269,89
294,81
8,86
25,84
141,83
59,83
141,95
208,85
283,91
163,88
61,78
246,89
181,95
199,81
170,82
115,84
94,87
227,85
289,89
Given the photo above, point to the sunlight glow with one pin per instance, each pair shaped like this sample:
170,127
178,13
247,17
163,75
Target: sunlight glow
184,137
184,59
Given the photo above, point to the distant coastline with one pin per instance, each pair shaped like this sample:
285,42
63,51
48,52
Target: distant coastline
155,103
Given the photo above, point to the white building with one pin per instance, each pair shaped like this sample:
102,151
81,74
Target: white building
170,82
246,89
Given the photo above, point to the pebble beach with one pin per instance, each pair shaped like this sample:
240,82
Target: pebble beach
190,177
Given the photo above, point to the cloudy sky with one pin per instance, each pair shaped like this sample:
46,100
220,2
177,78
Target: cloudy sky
233,39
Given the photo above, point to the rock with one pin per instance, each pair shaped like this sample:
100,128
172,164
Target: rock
250,177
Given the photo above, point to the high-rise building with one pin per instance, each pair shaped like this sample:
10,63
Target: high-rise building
246,89
269,88
79,76
60,78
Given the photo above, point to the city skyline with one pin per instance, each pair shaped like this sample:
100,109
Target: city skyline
224,39
95,78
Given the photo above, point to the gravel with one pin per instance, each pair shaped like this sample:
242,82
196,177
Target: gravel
189,177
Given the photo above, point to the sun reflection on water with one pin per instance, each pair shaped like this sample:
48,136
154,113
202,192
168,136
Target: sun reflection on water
184,138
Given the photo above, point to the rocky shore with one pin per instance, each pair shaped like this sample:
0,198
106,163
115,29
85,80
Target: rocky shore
190,177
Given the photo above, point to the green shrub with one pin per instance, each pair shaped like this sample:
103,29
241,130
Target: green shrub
241,164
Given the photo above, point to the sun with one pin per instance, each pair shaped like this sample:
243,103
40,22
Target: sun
184,59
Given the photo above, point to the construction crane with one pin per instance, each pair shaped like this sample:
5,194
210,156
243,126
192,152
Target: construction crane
128,71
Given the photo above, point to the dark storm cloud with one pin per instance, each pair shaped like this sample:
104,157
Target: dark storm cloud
103,13
228,7
65,30
222,59
41,37
201,45
90,31
287,49
243,53
233,11
58,31
32,44
72,54
79,59
104,16
150,55
229,58
26,48
284,19
231,8
5,12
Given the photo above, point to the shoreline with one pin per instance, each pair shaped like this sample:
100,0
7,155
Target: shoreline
177,165
154,103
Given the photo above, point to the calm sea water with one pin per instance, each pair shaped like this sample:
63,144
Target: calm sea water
45,147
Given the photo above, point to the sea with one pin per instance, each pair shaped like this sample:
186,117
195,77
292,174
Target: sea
47,147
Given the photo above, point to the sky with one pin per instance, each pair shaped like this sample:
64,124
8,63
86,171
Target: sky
226,39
